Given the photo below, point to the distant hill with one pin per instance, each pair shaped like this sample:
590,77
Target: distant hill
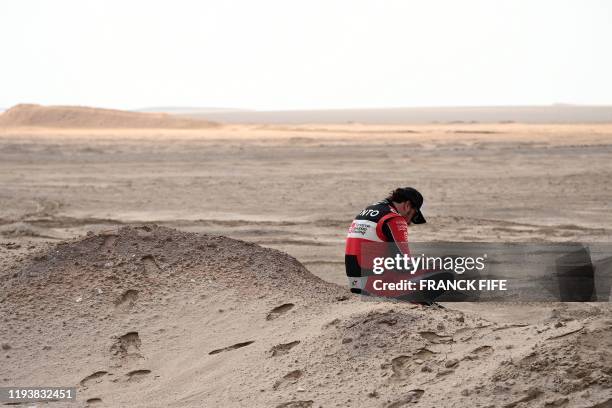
175,110
559,113
84,117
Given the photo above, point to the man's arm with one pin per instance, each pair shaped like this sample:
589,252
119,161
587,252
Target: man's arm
396,230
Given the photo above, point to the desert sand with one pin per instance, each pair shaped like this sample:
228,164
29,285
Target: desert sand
161,267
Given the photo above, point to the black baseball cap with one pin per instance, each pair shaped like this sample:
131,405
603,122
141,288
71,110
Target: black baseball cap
416,199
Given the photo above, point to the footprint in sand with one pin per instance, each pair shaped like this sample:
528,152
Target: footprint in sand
291,377
93,401
232,347
401,367
150,265
137,375
279,311
482,351
411,397
424,354
296,404
283,348
127,345
109,242
434,337
94,378
127,300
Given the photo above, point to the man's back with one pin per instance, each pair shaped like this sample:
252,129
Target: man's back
376,225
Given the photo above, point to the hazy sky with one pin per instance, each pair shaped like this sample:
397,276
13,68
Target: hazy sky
290,54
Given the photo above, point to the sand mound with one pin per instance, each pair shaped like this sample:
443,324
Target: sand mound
85,117
155,317
153,258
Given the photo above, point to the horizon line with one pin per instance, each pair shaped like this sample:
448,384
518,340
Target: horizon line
310,109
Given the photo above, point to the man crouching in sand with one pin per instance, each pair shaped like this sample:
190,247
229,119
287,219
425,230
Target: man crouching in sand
380,230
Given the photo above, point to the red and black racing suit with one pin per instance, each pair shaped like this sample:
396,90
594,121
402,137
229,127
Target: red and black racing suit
368,237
